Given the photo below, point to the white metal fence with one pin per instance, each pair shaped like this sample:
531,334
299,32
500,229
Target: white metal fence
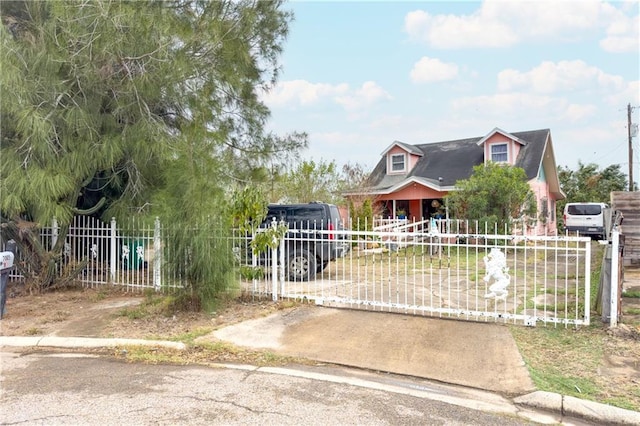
481,277
412,269
129,255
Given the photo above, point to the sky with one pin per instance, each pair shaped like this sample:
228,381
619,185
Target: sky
357,76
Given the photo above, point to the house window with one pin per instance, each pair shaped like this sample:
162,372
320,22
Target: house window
499,153
398,163
544,209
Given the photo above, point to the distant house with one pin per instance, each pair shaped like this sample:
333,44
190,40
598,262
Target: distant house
412,180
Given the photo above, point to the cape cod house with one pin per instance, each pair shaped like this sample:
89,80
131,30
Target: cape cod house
412,180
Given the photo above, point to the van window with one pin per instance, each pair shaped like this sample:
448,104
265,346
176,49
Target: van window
306,214
336,215
584,209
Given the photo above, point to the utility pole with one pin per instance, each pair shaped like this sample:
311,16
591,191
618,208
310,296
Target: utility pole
630,148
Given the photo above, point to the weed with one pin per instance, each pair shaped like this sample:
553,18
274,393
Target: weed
33,331
59,316
99,295
251,273
151,355
568,362
133,313
191,336
632,294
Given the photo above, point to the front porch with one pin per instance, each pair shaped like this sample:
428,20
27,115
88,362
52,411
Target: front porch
414,210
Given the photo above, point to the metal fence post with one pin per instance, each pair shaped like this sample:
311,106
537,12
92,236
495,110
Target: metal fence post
113,250
281,270
587,284
274,274
613,312
157,256
54,232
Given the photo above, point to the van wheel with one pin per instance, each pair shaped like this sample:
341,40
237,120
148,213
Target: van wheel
301,266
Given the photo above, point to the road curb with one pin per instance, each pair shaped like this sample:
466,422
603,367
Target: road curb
580,408
84,342
567,406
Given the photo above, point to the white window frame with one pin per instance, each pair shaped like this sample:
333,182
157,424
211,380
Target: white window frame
391,163
491,153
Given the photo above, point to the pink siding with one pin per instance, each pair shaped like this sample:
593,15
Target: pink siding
541,191
513,148
413,191
410,158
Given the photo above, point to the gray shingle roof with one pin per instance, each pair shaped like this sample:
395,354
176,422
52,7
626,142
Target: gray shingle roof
454,160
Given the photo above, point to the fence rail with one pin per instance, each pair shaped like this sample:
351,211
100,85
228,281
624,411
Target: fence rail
516,279
417,270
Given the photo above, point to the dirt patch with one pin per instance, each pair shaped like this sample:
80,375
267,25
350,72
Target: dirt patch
112,312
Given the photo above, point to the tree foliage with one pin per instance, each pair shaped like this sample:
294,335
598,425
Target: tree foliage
494,193
313,181
119,107
360,200
589,183
361,214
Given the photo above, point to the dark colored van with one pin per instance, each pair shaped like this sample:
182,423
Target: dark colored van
310,244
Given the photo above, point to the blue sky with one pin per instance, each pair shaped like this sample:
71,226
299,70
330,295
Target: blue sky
356,76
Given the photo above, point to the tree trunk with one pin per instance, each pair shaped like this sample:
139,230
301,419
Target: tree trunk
40,267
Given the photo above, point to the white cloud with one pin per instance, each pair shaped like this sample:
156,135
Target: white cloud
428,70
578,113
552,77
450,31
365,96
302,92
622,35
505,105
513,107
386,121
499,23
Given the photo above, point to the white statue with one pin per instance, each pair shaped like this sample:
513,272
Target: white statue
125,252
496,264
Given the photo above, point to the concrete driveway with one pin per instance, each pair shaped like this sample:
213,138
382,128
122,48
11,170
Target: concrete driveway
479,355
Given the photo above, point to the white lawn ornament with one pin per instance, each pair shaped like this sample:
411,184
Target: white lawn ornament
140,253
496,264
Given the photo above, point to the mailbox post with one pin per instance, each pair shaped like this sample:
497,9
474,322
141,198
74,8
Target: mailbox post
6,263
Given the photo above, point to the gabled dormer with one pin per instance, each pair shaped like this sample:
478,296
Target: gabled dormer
501,147
401,158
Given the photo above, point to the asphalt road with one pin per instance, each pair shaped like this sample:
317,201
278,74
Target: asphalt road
39,388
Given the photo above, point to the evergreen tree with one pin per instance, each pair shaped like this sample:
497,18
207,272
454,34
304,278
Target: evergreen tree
119,107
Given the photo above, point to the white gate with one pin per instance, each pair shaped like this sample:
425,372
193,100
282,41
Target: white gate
515,279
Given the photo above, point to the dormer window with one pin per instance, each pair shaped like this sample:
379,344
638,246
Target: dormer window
499,153
398,163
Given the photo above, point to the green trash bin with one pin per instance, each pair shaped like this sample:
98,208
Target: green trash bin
133,254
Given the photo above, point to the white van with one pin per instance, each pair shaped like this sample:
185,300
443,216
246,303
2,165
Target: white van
588,219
